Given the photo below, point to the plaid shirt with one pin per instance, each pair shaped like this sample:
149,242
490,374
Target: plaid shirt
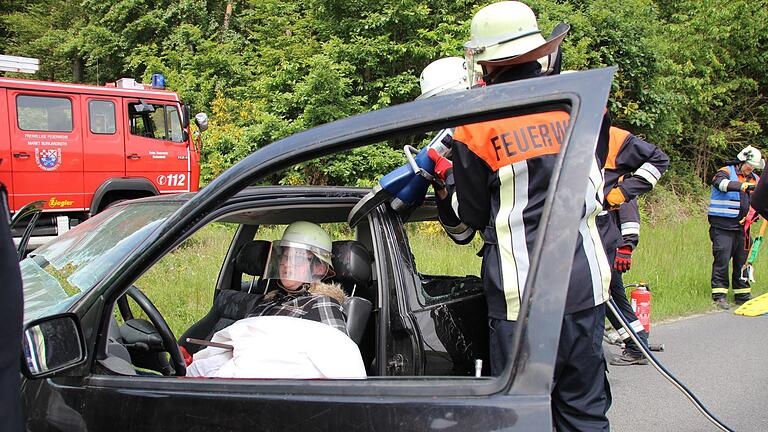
304,305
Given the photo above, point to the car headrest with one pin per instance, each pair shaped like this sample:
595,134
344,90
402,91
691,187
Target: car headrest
252,258
352,264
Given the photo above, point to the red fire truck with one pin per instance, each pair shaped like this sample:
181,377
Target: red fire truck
81,148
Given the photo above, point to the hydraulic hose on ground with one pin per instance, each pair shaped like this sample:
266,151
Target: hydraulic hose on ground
663,370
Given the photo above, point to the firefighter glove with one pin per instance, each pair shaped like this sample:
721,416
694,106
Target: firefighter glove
623,259
442,165
747,186
615,197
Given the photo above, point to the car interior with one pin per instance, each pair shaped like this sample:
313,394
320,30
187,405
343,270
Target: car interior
135,345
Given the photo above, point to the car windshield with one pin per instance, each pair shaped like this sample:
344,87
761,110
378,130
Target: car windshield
58,273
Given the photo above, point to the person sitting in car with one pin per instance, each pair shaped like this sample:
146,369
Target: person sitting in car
299,263
267,344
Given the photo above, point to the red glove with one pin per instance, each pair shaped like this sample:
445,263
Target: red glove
442,165
187,356
623,259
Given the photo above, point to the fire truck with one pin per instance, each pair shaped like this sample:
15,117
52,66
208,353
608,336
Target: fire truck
80,148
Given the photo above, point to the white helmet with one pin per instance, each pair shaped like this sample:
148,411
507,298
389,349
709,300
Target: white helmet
752,156
443,76
302,255
506,33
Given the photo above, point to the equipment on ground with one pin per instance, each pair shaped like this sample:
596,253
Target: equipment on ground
748,271
756,307
640,301
406,186
664,371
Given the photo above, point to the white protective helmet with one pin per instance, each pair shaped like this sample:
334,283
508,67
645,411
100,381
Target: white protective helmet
751,156
302,255
506,33
443,76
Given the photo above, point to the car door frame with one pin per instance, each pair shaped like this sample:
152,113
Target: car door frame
518,398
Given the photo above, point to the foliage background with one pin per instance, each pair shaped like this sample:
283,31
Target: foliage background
692,73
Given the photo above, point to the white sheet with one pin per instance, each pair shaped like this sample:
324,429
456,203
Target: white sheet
280,347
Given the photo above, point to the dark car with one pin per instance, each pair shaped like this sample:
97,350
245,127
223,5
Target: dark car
92,365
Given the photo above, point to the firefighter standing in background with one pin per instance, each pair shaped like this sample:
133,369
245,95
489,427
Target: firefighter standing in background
628,220
728,208
619,224
501,193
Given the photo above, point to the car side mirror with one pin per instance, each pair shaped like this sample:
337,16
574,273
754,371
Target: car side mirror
185,114
51,345
201,120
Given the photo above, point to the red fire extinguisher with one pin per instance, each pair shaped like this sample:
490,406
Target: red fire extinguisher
641,304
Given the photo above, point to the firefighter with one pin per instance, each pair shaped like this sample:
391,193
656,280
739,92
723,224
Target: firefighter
628,220
441,77
617,222
11,311
759,198
502,196
728,209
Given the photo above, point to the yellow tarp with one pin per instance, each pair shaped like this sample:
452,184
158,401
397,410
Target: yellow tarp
755,307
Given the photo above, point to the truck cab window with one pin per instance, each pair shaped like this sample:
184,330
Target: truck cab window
174,124
101,117
163,123
41,113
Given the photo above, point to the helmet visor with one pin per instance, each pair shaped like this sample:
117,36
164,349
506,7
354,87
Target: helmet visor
297,263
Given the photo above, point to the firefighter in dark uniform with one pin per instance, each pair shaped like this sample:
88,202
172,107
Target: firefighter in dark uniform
619,224
728,208
627,217
11,312
501,194
759,198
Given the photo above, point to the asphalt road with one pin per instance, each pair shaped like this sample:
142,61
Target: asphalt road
721,357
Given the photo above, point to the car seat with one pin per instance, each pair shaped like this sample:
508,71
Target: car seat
230,305
352,264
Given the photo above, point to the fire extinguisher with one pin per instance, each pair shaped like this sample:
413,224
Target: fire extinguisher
641,304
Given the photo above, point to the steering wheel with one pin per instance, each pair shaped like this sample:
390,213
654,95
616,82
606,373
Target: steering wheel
166,334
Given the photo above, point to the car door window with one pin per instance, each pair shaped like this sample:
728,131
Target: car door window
181,284
447,271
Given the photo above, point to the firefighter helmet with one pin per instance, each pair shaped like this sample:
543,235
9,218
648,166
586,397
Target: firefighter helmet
506,33
751,156
443,76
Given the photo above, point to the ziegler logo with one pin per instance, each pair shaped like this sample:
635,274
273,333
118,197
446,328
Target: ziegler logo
53,203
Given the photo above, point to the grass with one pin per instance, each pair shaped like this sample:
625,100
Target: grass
674,258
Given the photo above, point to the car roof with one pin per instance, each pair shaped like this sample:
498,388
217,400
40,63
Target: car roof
267,192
